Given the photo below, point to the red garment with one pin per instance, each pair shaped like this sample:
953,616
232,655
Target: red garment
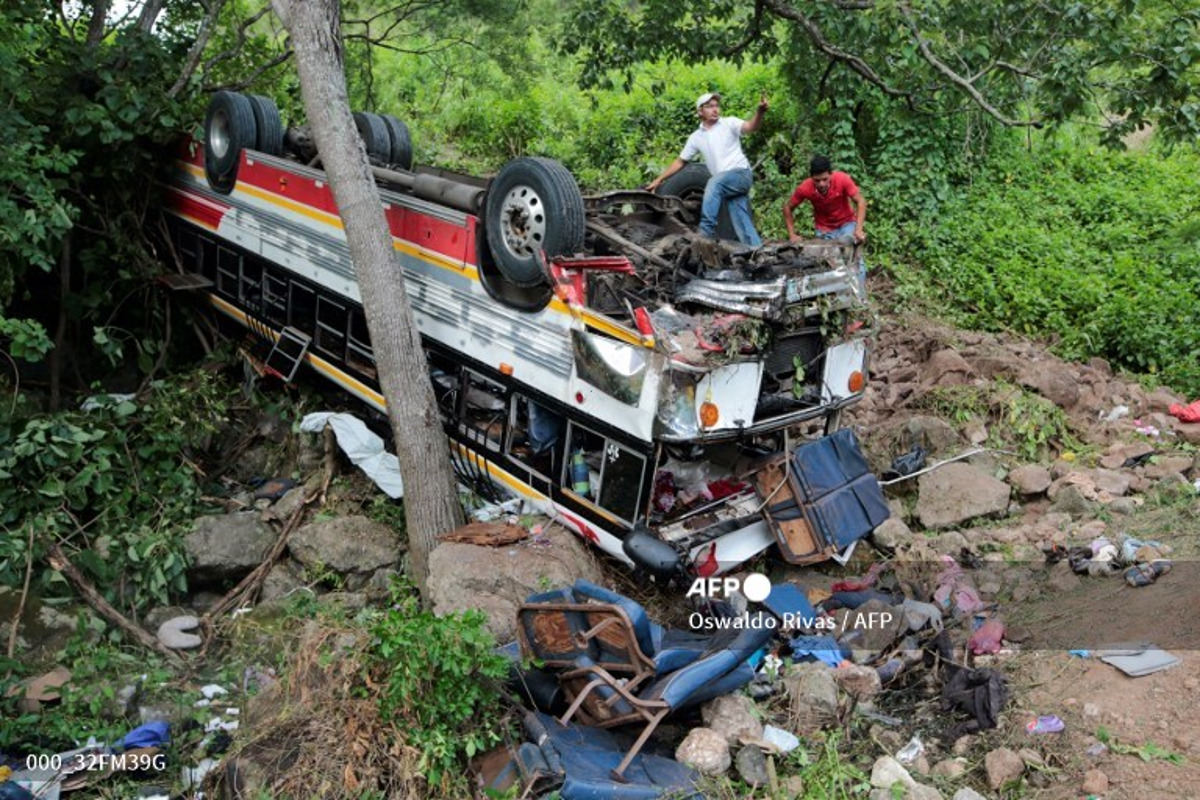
831,210
1188,413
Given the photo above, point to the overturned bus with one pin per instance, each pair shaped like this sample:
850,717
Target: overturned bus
646,387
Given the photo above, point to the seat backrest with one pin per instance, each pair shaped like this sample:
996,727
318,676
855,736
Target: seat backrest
550,626
643,629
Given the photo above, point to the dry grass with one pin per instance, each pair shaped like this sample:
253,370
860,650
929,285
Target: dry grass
319,733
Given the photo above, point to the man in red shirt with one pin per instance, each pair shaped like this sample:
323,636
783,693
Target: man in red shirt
831,194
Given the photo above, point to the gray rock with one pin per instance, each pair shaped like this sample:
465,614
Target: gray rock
934,434
858,681
285,579
1053,381
1111,481
175,633
1167,466
752,766
733,717
951,768
284,507
1030,479
1003,766
888,771
704,750
1123,505
1060,578
922,792
946,368
812,696
950,543
958,493
225,547
497,580
890,533
1069,500
967,793
347,545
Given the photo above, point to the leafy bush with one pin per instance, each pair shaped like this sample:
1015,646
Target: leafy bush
115,485
439,677
1090,246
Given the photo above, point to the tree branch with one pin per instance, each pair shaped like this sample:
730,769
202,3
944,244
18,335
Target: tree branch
190,64
782,9
959,80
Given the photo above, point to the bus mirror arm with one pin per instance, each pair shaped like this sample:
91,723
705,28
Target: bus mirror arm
652,554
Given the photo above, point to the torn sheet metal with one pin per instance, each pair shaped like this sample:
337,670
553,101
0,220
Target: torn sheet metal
364,449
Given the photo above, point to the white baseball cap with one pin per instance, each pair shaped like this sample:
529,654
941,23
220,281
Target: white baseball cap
704,98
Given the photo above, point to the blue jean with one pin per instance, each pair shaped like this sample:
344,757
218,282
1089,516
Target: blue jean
847,232
733,188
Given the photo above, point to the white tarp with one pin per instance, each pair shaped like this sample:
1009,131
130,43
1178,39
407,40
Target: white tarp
362,447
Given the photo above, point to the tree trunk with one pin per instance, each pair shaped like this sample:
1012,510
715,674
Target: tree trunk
430,499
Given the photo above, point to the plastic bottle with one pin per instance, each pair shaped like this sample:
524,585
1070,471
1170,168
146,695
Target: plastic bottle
580,483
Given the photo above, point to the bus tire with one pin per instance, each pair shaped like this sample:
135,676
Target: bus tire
229,128
533,204
269,124
374,134
688,185
402,153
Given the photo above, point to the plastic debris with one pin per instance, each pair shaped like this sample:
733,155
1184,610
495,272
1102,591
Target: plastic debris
911,751
783,741
1080,653
1047,724
1116,414
212,690
364,449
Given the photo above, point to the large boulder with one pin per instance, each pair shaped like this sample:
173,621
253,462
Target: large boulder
705,751
812,697
496,580
1054,381
225,547
957,493
946,368
353,547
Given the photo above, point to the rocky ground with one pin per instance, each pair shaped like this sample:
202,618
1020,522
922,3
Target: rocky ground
1065,454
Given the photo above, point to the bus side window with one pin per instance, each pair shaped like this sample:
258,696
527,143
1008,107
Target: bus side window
331,327
485,407
303,309
359,355
605,472
535,435
275,298
229,268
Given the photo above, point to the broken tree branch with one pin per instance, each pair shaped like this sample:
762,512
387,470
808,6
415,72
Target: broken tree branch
60,562
253,581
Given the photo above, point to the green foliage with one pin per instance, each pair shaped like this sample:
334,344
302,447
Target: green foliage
114,485
440,677
1086,245
1017,419
88,699
1146,752
27,339
827,772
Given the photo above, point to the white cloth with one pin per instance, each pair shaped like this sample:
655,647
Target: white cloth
720,145
362,447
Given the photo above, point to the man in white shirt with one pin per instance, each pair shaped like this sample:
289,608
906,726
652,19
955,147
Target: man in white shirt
719,141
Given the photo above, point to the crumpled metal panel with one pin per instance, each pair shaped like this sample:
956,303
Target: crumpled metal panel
762,300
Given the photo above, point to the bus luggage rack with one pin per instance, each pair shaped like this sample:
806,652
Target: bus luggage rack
287,354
